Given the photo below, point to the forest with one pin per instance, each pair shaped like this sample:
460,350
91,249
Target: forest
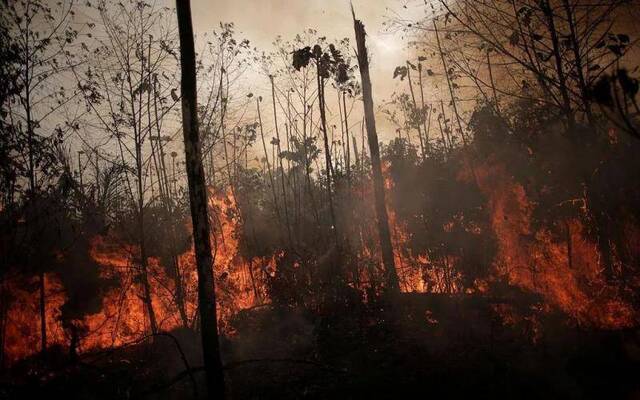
185,214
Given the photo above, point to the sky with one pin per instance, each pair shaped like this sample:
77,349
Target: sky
261,21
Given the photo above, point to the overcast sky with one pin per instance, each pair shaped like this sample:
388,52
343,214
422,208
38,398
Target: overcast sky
261,21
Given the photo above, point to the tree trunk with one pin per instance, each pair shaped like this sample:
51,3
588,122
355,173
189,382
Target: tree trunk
43,311
424,123
198,202
4,308
378,184
578,61
144,266
346,131
327,152
266,159
449,84
415,110
562,81
282,175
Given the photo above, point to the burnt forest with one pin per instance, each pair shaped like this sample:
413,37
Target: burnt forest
306,199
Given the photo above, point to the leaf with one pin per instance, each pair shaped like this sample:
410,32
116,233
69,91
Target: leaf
301,58
514,38
401,72
342,75
623,38
600,92
144,86
615,49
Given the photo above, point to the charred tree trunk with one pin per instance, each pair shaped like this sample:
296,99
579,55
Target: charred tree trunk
424,123
43,311
327,151
32,188
346,131
378,183
198,202
144,267
4,308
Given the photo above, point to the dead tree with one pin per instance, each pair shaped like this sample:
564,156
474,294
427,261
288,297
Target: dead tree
378,183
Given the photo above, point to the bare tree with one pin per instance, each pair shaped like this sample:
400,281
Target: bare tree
376,167
43,38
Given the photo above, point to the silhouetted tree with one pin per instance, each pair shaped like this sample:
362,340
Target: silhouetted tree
199,204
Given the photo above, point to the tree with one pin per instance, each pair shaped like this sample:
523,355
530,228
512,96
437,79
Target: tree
376,167
42,39
128,94
329,63
198,201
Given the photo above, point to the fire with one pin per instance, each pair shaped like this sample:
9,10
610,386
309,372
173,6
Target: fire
569,278
23,321
123,318
417,273
535,261
528,258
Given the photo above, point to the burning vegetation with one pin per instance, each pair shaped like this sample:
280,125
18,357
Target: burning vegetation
490,246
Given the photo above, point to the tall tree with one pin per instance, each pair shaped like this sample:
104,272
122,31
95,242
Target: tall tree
376,167
198,201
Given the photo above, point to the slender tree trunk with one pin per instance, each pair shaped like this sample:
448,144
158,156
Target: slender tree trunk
355,151
577,58
266,158
562,82
198,202
144,266
424,123
415,109
378,183
449,84
43,310
493,86
4,308
327,151
282,174
163,166
32,188
446,128
346,130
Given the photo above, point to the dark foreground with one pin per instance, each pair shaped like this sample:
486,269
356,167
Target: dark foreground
421,346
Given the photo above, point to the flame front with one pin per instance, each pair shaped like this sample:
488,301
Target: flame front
527,258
